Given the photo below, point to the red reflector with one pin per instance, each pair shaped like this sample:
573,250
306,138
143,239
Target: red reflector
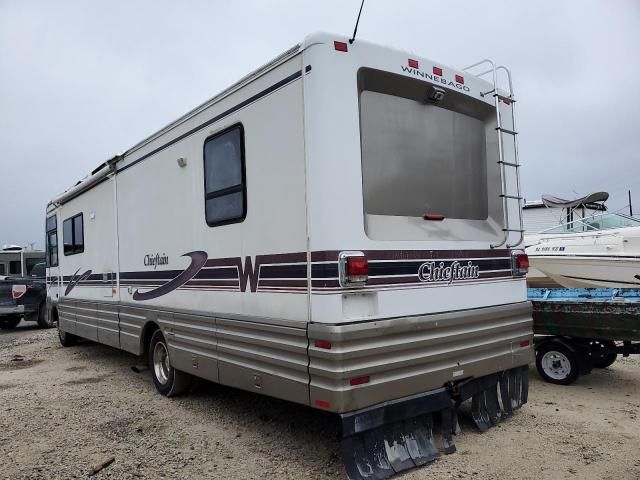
433,216
359,380
437,71
413,63
322,404
323,344
460,79
524,343
341,46
357,266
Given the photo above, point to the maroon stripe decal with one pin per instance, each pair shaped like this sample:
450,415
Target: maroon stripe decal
198,260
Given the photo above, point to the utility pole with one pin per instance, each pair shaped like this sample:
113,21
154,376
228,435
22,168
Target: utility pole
630,207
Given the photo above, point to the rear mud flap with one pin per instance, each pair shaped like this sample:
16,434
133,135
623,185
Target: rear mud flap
380,441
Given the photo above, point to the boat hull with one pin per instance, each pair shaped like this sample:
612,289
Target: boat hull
589,271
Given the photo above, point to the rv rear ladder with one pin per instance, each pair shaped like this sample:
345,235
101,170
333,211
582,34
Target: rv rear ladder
503,164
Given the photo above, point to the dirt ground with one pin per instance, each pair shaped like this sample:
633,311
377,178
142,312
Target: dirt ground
64,411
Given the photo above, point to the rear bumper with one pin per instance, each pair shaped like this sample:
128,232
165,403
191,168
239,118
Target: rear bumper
413,355
11,310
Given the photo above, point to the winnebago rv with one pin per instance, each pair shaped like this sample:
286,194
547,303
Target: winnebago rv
337,229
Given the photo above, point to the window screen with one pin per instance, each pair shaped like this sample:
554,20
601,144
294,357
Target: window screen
421,156
73,235
224,177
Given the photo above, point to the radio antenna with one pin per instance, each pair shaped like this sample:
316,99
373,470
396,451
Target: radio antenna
357,21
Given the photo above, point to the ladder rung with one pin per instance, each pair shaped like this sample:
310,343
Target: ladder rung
509,164
512,230
506,130
511,196
506,100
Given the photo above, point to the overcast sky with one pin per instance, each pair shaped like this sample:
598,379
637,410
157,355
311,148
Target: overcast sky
82,81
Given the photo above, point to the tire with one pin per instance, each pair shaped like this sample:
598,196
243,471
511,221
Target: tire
9,323
67,339
557,364
168,381
601,355
43,321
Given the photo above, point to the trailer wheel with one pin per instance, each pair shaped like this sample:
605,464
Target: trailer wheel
602,355
557,364
168,381
67,339
9,323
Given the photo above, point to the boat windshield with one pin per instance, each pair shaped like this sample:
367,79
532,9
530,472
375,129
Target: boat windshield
606,221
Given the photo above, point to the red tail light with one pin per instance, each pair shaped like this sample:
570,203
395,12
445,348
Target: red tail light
354,269
519,262
18,290
357,267
433,216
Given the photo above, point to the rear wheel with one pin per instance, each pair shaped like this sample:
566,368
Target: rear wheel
168,381
603,353
557,364
9,323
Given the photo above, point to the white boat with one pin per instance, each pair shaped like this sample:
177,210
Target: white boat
598,251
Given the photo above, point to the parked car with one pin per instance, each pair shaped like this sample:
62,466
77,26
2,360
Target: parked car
24,297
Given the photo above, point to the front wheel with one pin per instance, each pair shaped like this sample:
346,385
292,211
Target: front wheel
44,320
557,364
9,323
66,339
168,381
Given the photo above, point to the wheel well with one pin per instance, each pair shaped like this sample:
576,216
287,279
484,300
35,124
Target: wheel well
147,332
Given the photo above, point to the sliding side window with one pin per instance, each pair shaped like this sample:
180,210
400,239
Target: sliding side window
225,192
52,241
73,235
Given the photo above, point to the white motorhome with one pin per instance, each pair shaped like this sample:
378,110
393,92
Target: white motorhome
337,229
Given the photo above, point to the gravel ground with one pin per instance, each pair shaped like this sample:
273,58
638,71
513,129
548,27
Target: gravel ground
64,411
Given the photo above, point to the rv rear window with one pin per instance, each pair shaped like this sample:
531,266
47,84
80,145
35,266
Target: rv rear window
224,177
73,235
418,156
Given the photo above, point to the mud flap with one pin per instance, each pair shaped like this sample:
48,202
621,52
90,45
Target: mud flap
380,441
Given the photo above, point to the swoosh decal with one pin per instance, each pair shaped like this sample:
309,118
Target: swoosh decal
198,260
75,280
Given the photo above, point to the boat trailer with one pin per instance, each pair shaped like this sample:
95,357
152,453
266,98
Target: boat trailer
382,440
578,329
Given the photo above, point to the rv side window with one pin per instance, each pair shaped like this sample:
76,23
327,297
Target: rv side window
52,242
73,235
224,177
2,269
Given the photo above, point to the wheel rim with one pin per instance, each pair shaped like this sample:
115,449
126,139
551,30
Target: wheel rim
161,364
556,365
